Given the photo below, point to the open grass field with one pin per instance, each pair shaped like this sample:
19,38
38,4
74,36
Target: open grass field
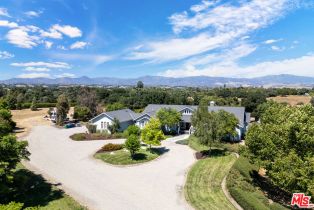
25,119
203,184
122,157
293,100
34,191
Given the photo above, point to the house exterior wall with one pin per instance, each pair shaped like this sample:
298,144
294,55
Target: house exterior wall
105,121
142,122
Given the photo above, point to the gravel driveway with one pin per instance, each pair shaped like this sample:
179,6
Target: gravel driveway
154,185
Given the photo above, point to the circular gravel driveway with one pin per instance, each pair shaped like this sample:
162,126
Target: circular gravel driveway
154,185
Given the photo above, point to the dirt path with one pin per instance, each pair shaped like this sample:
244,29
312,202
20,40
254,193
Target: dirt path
226,192
154,185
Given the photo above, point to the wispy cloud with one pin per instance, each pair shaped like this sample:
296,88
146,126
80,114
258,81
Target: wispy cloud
78,45
32,14
211,26
5,55
277,49
34,75
56,65
67,30
69,75
297,66
272,41
4,12
5,23
37,69
95,59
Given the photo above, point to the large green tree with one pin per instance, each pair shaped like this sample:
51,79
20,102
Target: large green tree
283,144
152,133
212,126
169,118
11,150
63,108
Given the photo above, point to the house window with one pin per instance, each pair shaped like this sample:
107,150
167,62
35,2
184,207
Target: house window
102,125
187,112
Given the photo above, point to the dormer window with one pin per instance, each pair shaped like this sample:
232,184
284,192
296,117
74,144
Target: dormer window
187,112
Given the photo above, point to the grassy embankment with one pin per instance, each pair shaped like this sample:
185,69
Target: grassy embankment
34,191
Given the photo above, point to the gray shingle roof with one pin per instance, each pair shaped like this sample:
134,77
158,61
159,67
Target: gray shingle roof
123,115
239,112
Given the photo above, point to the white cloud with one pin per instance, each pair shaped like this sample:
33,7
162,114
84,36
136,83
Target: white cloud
51,33
297,66
272,41
5,55
96,59
176,49
34,75
37,69
48,44
21,37
5,23
67,30
277,49
56,65
212,26
203,6
65,75
78,45
249,15
4,12
32,14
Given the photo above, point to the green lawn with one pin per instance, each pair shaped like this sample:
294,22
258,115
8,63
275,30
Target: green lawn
122,157
194,144
34,191
203,185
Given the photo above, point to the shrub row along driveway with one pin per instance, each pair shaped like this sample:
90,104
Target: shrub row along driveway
154,185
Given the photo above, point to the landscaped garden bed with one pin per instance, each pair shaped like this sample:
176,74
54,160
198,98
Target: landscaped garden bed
95,136
122,156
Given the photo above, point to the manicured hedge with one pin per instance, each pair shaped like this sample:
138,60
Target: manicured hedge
111,147
241,187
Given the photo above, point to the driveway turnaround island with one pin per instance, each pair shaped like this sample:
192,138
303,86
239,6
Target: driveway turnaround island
158,184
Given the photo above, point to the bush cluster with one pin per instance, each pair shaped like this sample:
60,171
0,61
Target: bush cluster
111,147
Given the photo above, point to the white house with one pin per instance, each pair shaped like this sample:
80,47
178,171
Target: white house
127,117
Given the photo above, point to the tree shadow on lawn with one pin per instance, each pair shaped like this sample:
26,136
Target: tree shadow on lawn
215,152
31,189
159,151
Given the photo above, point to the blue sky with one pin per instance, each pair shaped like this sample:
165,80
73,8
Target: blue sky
118,38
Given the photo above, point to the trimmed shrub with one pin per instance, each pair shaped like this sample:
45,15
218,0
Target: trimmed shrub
91,128
132,130
111,147
133,144
78,136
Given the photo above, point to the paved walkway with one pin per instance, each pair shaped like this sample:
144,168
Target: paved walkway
154,185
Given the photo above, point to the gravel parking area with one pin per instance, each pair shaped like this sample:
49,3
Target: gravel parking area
154,185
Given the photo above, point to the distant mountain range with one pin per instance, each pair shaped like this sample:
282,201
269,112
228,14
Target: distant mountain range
283,80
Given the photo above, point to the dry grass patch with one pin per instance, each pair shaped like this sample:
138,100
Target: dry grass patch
26,119
292,100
